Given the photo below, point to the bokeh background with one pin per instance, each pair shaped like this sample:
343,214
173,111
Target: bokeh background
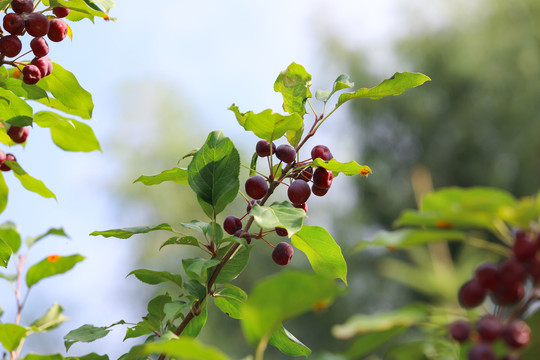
162,76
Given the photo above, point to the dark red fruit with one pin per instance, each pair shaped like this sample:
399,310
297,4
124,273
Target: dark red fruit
471,294
319,191
508,294
232,224
487,275
301,206
60,12
5,167
282,253
516,333
18,134
58,30
22,6
489,328
14,23
44,65
263,148
31,74
322,177
2,157
298,192
256,187
460,330
251,203
238,234
10,45
306,174
286,153
523,248
481,351
322,152
512,271
39,46
281,231
37,24
533,269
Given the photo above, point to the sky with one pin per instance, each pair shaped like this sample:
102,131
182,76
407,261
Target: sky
215,53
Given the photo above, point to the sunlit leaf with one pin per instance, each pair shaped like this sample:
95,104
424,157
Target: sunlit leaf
51,320
287,343
11,336
86,333
343,81
5,253
30,241
367,343
293,83
156,277
91,356
196,268
50,266
83,9
13,109
44,357
176,174
10,235
29,182
349,169
193,329
278,214
126,233
4,191
230,300
182,348
184,240
236,264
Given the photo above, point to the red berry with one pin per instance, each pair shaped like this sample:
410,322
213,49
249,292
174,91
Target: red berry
512,271
481,351
281,231
9,157
10,45
286,153
487,275
282,253
22,6
508,294
14,23
523,248
516,333
298,192
306,174
322,152
471,294
489,328
60,11
44,65
301,206
322,177
319,191
37,24
460,330
39,46
18,134
232,224
58,30
31,74
263,148
533,268
256,187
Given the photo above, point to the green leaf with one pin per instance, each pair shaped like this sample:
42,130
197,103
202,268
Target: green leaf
269,125
126,233
14,110
5,253
207,229
447,220
287,343
283,296
293,83
173,310
230,300
349,169
195,288
474,199
360,324
91,356
10,235
176,174
51,320
68,134
3,71
367,343
11,278
196,268
397,84
81,9
185,240
50,266
63,85
195,326
405,238
156,309
323,253
236,264
182,348
156,277
253,165
4,191
30,241
86,333
343,81
278,214
28,182
44,357
11,336
213,173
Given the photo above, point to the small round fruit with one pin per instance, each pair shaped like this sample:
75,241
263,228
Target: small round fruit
281,231
282,253
523,248
516,333
44,65
10,45
232,224
322,152
508,294
5,167
322,177
37,24
298,192
481,351
256,187
31,74
319,191
471,294
39,46
487,275
306,174
60,12
58,30
22,6
286,153
264,148
14,23
460,330
18,134
512,271
489,328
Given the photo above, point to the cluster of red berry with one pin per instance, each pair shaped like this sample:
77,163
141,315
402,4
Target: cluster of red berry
23,20
505,284
299,190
